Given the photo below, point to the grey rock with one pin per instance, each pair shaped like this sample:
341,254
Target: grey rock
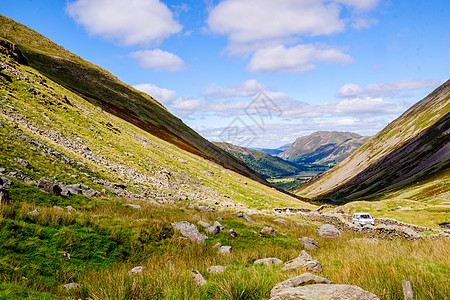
198,278
243,214
203,224
297,281
302,224
65,254
58,207
328,231
91,193
5,182
189,231
47,186
225,249
23,162
309,243
324,291
4,196
217,245
216,269
137,270
71,286
304,260
232,233
217,224
268,261
269,230
34,212
282,221
70,208
133,206
212,230
2,170
257,233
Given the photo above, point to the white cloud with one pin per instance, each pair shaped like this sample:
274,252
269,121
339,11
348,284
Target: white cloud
360,4
256,20
159,60
130,22
389,89
162,95
297,59
350,90
248,88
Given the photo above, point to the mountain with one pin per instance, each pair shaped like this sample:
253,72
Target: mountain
409,158
272,151
107,93
323,147
68,121
266,165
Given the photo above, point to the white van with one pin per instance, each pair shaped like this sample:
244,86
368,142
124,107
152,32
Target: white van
362,219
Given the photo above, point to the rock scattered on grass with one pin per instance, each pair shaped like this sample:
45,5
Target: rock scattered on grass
34,212
328,231
217,245
137,270
225,249
304,260
203,224
269,230
198,277
243,214
70,208
4,196
217,224
189,231
309,243
133,206
282,221
232,233
268,261
305,278
216,269
212,230
71,286
324,291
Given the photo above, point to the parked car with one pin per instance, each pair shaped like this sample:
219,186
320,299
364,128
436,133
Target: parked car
363,219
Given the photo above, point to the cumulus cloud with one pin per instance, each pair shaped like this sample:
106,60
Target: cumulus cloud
164,96
130,22
248,88
159,60
389,89
297,59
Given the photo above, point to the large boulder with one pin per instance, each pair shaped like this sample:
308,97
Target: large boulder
306,278
5,182
47,186
328,231
305,261
324,291
189,231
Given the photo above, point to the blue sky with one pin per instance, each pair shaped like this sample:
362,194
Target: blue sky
260,73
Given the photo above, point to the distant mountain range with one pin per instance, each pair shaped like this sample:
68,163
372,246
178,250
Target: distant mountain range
266,165
323,148
409,158
316,152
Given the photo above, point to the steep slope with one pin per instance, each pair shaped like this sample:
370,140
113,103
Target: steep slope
323,147
53,133
106,92
266,165
410,156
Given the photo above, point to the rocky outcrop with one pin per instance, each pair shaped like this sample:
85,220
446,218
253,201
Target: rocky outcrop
11,50
306,278
324,291
189,231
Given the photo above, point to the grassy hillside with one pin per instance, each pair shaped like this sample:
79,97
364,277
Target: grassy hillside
410,158
264,164
323,148
106,92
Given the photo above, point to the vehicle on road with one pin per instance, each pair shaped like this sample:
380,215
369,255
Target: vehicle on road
363,219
